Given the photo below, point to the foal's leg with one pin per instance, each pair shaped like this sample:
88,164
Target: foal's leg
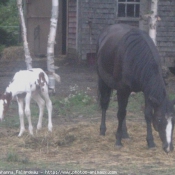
28,112
104,93
122,96
49,107
148,118
21,115
41,105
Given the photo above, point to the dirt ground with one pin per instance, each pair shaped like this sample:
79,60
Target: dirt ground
75,143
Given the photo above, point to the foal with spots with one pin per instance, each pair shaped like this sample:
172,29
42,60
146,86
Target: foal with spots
128,61
27,84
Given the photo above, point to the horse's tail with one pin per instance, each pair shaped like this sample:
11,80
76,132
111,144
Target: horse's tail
105,76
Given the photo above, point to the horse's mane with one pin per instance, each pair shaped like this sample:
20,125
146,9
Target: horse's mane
141,63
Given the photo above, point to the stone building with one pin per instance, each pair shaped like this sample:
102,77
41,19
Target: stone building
81,21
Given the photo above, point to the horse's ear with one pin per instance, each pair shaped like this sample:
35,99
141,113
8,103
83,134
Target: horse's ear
154,101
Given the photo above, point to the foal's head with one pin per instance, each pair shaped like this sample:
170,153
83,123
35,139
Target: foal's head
163,122
4,103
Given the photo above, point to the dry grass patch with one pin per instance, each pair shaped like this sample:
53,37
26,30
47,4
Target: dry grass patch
13,53
80,144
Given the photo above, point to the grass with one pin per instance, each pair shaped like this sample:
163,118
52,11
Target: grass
11,119
13,156
69,138
135,106
77,103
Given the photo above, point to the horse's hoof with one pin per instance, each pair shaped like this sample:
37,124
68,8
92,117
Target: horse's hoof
152,146
102,133
125,136
118,147
128,140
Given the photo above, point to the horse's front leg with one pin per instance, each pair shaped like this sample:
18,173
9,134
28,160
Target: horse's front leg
122,96
125,134
148,118
103,123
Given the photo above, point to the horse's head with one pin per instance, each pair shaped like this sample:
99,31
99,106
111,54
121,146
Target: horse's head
4,103
163,122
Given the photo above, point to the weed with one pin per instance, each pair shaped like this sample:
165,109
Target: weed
75,101
13,156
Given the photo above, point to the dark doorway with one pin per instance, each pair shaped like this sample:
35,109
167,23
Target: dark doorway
64,26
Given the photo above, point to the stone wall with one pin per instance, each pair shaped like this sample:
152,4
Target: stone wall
93,17
166,32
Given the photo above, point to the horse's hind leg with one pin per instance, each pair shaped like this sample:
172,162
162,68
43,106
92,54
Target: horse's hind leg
122,96
125,134
104,93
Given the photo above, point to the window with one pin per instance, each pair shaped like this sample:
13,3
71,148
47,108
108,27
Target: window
129,8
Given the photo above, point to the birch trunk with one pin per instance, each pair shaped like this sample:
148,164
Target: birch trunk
51,42
28,58
153,20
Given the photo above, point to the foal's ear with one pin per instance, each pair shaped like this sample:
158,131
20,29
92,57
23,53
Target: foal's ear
154,101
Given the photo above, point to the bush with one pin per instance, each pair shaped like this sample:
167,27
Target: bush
8,38
9,24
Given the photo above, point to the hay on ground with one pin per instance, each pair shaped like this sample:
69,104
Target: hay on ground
81,144
13,53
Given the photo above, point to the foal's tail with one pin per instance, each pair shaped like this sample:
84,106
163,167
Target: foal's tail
56,76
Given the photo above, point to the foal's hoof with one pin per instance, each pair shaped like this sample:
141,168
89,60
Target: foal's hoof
21,132
39,126
50,128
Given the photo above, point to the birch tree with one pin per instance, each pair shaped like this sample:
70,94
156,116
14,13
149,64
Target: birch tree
153,20
28,58
51,42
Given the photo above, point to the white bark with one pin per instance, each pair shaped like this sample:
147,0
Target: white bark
28,58
51,42
153,20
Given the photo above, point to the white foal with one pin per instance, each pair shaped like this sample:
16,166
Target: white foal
27,84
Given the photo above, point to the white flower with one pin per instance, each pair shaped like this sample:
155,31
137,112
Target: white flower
88,89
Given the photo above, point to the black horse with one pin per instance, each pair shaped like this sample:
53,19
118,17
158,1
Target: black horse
128,61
